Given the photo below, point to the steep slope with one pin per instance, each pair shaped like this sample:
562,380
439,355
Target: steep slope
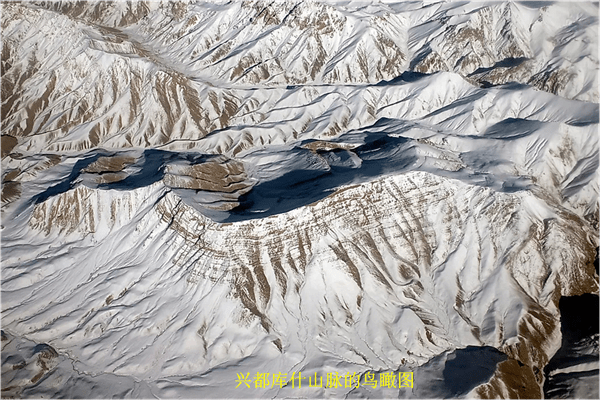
372,289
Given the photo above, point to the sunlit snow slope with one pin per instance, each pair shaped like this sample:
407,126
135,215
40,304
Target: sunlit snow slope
197,190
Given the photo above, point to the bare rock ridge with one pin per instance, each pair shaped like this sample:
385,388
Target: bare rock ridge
195,190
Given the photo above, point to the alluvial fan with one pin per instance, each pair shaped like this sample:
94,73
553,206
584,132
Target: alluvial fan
237,199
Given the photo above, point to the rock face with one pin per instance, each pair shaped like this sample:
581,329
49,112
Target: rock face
573,370
196,191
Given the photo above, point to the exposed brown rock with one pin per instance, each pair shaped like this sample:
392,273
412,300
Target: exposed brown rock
109,164
512,380
8,143
11,191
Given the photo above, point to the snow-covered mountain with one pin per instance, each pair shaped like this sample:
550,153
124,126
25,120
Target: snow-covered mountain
197,190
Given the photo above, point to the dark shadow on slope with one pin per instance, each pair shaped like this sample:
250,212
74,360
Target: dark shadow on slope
451,374
457,103
512,128
381,150
513,86
589,119
407,76
509,62
381,154
454,374
300,176
67,183
420,56
150,169
469,367
579,316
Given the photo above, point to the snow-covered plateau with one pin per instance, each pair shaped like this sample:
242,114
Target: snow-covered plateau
196,192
